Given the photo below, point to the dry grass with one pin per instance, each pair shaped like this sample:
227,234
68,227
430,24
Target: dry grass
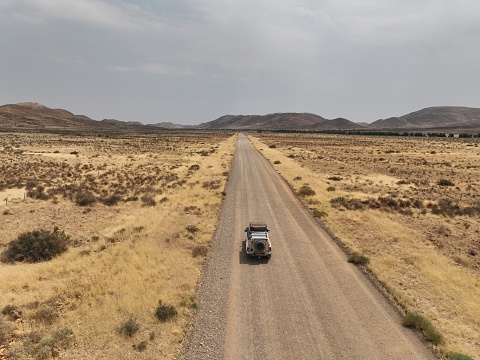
392,191
123,258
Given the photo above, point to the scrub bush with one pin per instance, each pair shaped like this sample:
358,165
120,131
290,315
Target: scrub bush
36,246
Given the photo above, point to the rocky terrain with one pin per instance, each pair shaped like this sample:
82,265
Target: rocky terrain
36,117
433,118
279,121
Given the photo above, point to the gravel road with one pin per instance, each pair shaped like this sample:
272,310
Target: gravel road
306,302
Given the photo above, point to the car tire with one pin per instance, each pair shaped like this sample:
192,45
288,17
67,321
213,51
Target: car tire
259,246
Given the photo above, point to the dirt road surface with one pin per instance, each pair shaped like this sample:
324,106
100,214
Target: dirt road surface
306,302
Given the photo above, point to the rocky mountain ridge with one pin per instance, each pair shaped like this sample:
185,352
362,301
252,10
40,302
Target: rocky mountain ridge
37,117
279,121
432,117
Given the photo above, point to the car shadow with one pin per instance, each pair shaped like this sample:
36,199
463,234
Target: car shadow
249,260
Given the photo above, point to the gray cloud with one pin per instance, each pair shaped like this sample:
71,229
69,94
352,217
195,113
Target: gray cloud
191,61
106,14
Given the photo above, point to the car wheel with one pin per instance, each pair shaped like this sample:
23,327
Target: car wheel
259,246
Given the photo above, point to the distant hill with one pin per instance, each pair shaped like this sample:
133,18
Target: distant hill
437,117
362,123
170,125
33,114
36,117
119,122
278,121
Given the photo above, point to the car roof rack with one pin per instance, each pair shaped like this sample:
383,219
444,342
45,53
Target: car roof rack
258,226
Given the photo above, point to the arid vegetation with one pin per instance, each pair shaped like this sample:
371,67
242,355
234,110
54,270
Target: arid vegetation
410,208
125,225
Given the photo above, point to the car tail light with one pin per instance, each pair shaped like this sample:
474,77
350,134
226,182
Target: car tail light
269,248
248,248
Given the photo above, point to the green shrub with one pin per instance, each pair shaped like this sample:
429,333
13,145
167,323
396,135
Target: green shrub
112,200
213,184
355,205
349,204
471,210
46,315
306,190
8,309
129,327
38,193
414,320
319,213
192,229
457,356
165,312
446,207
418,203
358,259
47,347
335,178
445,182
338,202
387,201
199,250
30,184
273,146
170,177
194,167
192,209
297,178
43,350
432,334
36,246
276,162
84,198
63,337
148,200
142,346
331,188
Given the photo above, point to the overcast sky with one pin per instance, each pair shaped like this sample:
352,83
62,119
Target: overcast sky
192,61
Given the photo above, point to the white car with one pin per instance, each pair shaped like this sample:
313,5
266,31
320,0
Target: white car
257,242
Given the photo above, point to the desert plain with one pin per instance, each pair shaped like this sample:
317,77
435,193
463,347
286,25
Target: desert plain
140,212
